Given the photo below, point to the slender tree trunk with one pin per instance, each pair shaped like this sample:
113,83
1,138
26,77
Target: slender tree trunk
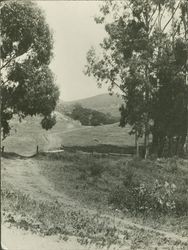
146,137
177,145
185,20
0,83
0,98
170,146
147,95
156,138
146,146
159,16
137,144
186,83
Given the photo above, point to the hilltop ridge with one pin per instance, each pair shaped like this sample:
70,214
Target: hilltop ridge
104,103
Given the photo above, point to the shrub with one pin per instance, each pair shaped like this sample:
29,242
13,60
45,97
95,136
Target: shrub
117,197
95,169
181,203
172,166
156,200
90,117
130,178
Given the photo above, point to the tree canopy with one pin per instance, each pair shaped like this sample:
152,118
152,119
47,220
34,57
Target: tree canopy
145,57
90,117
27,83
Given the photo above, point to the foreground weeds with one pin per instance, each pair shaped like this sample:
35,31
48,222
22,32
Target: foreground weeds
47,218
165,195
153,191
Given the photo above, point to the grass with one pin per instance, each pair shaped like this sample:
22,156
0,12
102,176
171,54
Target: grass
25,136
53,218
92,136
88,181
93,179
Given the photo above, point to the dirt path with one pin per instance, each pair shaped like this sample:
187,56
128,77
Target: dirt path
24,174
16,239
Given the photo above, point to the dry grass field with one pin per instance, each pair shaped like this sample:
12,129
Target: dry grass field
67,198
89,201
25,136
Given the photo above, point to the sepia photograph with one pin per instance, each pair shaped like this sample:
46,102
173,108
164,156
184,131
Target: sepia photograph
94,124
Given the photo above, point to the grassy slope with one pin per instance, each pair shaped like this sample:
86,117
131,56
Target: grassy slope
104,103
107,134
25,136
29,134
64,198
79,197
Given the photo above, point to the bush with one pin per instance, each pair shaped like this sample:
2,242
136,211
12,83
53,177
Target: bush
181,203
95,169
130,179
158,199
90,117
172,166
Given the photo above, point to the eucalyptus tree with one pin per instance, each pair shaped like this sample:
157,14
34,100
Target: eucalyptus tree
171,99
184,19
140,36
27,83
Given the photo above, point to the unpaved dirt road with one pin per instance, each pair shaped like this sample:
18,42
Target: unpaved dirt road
15,239
24,174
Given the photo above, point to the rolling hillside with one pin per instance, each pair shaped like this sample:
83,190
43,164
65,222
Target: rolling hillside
26,135
104,103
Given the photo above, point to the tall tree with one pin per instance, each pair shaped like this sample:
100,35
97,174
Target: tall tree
27,83
127,59
184,18
137,54
170,122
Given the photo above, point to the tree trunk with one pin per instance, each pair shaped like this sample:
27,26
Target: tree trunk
161,146
137,144
146,138
186,137
185,146
177,145
155,138
170,146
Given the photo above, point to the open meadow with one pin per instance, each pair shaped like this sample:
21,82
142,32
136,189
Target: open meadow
25,136
85,201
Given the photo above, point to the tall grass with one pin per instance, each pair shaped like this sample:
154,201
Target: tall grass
47,218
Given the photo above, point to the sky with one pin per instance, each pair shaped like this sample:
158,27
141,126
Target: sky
74,32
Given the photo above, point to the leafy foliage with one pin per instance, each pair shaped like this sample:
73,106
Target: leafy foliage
27,83
140,197
90,117
146,62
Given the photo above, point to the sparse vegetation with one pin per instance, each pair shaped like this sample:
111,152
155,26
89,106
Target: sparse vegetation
90,117
46,218
91,181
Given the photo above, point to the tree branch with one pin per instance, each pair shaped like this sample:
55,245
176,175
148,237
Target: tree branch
13,57
3,82
114,83
153,14
171,16
153,25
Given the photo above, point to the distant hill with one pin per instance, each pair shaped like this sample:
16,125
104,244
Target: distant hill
25,136
104,103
